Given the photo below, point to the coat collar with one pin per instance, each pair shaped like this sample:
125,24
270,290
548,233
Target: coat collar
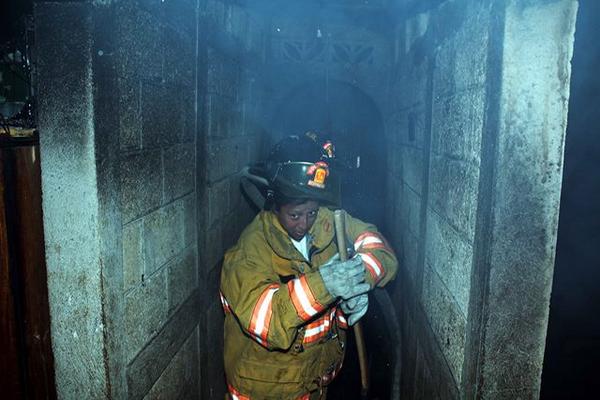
321,234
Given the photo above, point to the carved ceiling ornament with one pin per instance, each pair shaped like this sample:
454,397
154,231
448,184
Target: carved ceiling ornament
317,51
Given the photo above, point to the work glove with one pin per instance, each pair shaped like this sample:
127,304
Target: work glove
345,279
355,308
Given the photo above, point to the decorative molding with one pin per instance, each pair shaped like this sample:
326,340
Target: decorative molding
318,51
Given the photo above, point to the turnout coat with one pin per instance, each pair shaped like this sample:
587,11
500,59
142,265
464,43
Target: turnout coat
284,332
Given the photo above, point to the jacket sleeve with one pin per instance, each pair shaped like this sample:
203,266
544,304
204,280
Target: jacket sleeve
269,311
377,255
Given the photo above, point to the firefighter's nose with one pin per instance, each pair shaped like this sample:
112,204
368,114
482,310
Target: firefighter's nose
303,223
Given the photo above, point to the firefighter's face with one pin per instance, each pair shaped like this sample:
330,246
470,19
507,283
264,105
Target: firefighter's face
297,219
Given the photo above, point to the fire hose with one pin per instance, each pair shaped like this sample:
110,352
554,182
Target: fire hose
340,233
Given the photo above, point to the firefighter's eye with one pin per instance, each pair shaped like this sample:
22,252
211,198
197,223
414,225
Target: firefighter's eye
312,213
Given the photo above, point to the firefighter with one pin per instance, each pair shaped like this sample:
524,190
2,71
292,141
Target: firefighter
288,299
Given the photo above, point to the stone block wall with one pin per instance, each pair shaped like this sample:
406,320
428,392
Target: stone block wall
444,125
148,110
157,96
435,128
232,130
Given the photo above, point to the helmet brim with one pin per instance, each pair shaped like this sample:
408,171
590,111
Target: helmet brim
294,191
295,180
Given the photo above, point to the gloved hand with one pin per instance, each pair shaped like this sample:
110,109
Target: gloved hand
355,308
344,279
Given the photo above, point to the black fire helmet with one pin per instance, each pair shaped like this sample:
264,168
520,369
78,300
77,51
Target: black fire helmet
302,167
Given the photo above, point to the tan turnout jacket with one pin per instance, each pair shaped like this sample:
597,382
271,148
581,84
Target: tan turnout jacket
284,333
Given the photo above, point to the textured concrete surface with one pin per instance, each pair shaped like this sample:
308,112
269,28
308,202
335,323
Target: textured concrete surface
453,192
450,255
182,278
493,78
163,235
118,114
532,124
157,64
133,255
447,321
145,313
141,183
157,50
232,129
179,160
145,369
80,199
179,380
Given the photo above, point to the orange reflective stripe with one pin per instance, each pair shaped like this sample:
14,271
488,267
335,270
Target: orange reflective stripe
238,396
369,240
341,319
303,299
373,265
235,394
224,303
319,328
315,330
261,316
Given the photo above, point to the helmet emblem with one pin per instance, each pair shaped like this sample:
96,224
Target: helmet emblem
319,172
328,149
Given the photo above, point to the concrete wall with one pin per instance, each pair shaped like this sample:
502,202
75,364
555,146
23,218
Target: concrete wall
232,130
81,198
156,62
146,112
475,129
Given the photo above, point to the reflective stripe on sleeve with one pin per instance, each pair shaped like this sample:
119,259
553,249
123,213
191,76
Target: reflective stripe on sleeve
224,303
342,322
319,328
316,330
235,395
261,316
373,265
369,240
303,299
